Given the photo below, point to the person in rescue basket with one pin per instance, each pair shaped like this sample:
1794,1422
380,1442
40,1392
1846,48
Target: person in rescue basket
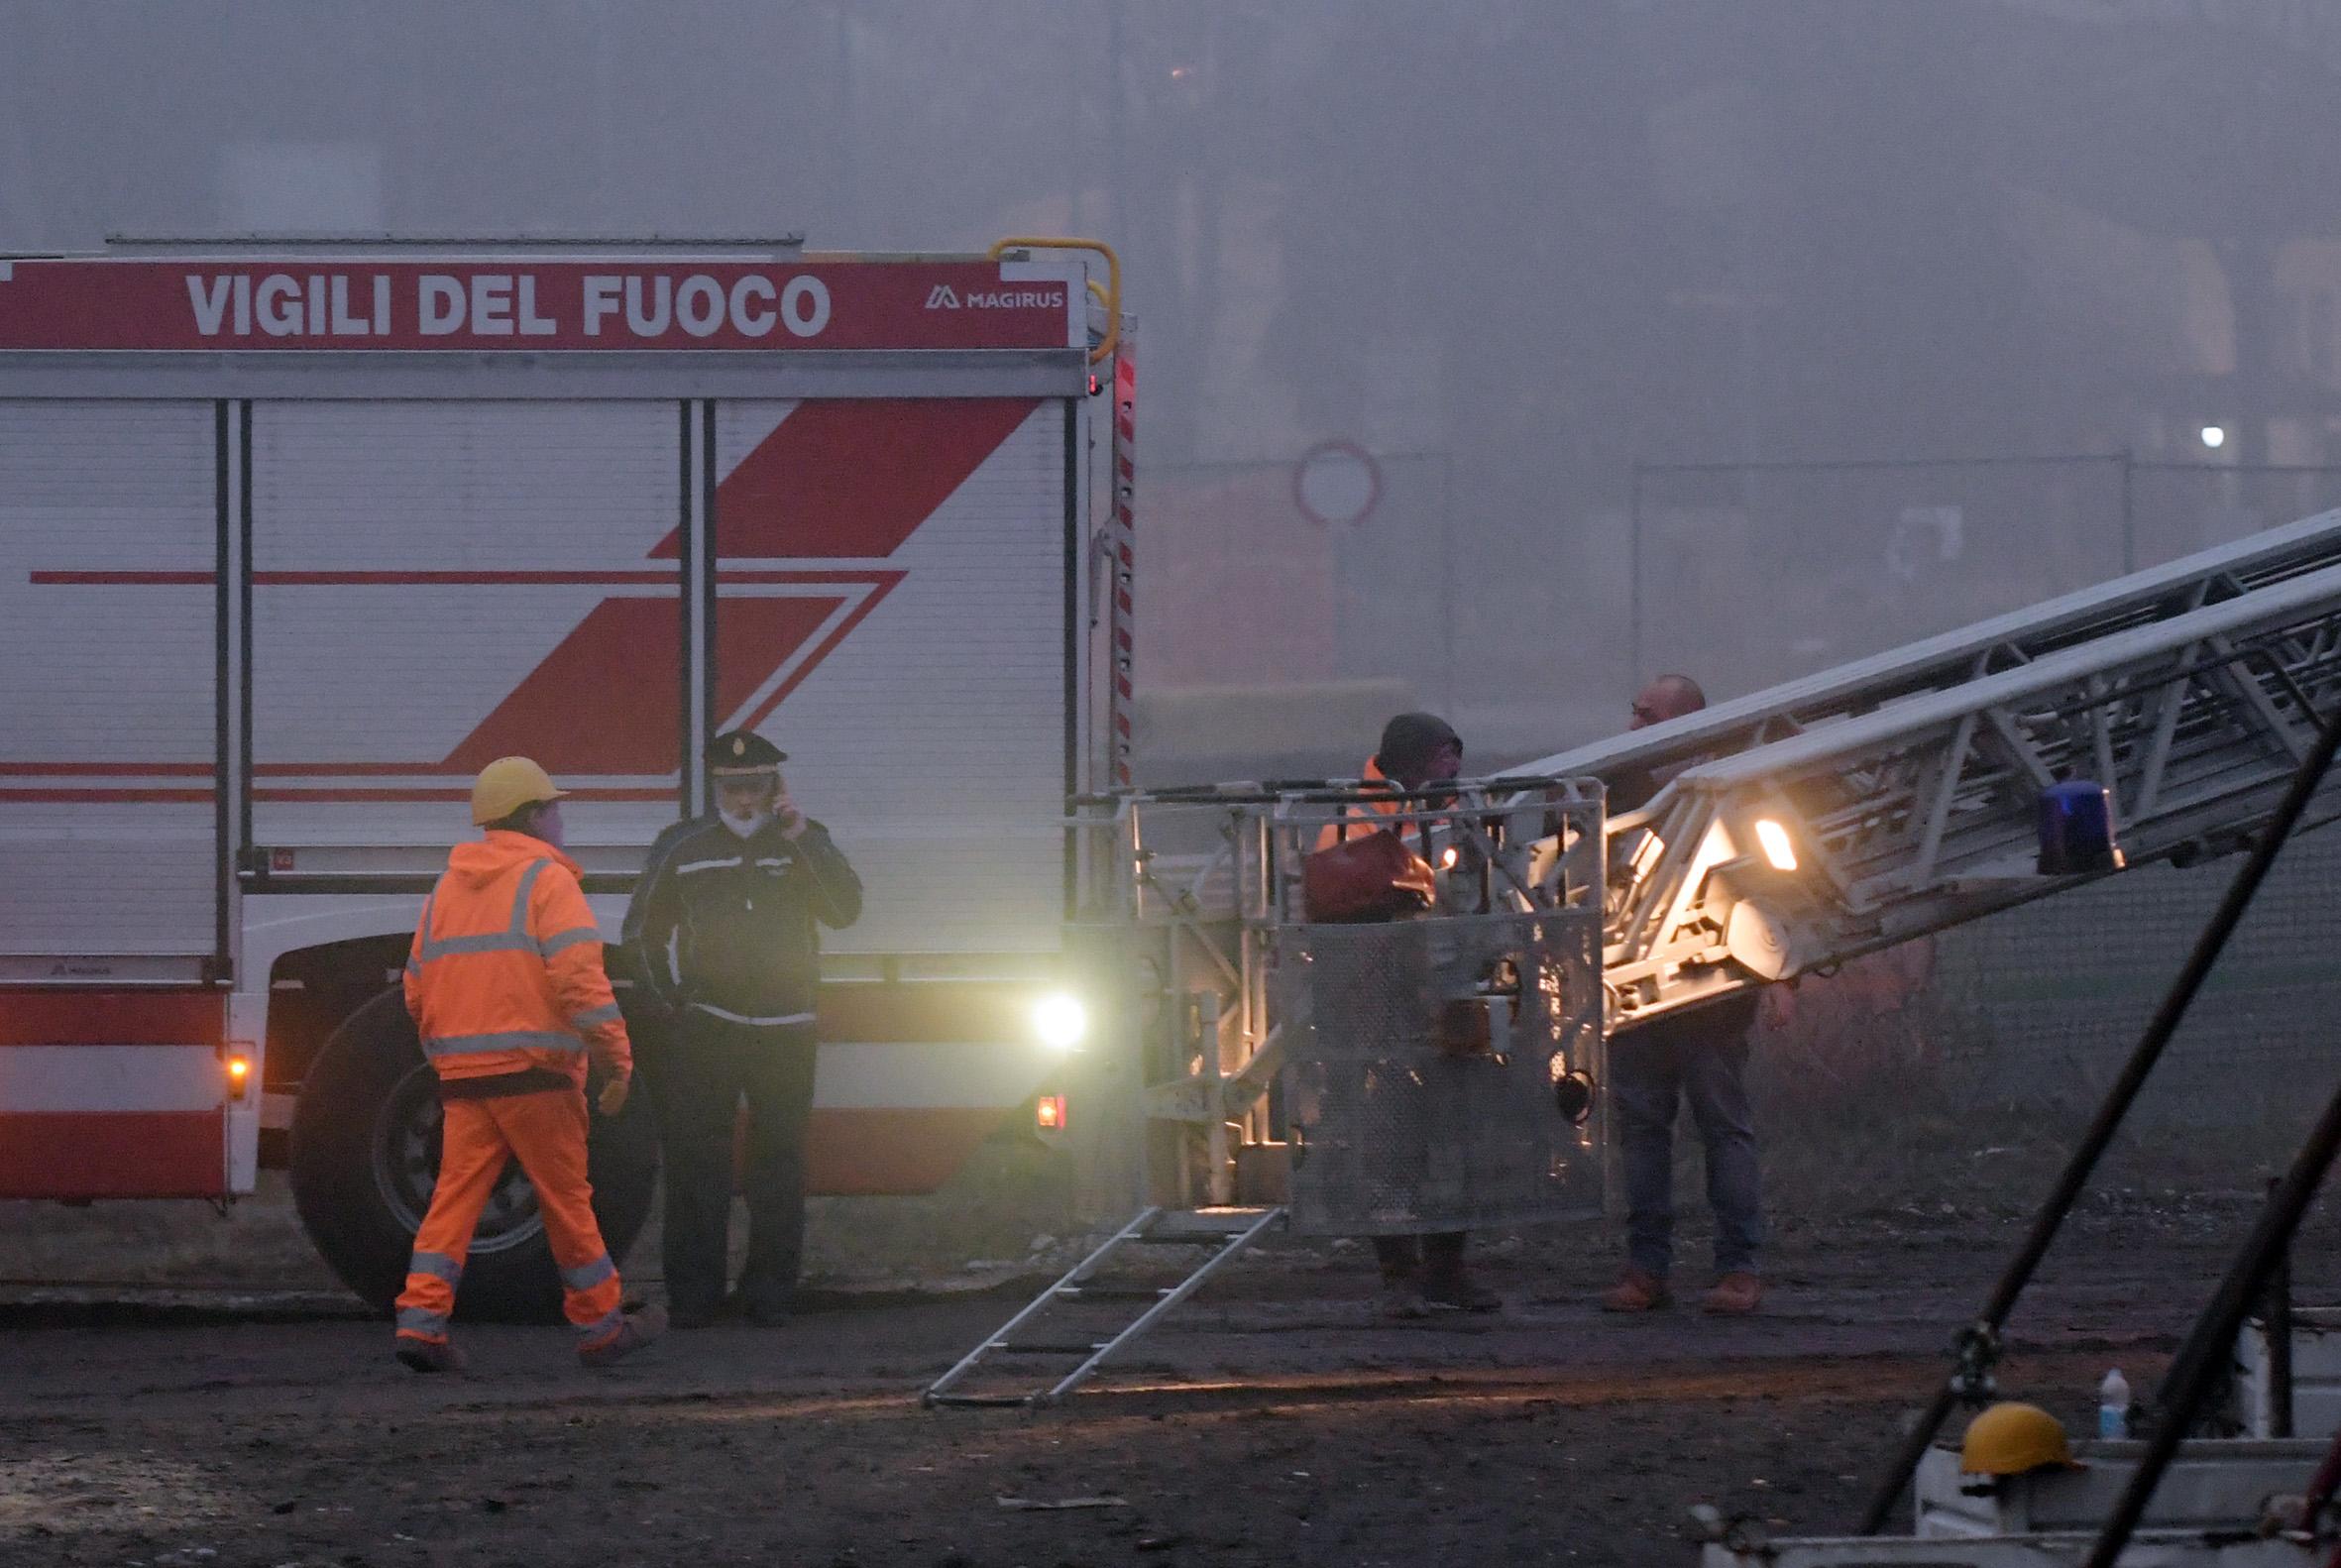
722,926
507,991
1418,1277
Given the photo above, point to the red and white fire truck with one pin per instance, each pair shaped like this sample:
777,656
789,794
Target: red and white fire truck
294,537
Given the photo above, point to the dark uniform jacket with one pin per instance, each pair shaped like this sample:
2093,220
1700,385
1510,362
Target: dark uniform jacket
725,924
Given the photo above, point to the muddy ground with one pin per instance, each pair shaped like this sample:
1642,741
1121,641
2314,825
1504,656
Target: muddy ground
1275,1420
195,1392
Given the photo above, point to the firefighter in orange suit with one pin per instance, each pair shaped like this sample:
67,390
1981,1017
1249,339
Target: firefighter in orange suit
507,991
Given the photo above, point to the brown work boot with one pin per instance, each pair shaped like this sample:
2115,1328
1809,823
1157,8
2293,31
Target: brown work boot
429,1355
1735,1294
637,1330
1637,1291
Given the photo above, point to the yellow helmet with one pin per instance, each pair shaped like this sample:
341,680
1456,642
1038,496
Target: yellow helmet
507,784
2009,1438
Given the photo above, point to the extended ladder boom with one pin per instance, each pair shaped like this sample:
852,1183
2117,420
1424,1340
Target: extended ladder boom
1902,792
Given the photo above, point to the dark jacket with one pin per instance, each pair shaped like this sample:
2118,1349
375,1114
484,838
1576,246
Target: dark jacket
1630,790
725,925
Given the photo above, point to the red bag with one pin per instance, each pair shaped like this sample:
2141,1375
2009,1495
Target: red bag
1373,876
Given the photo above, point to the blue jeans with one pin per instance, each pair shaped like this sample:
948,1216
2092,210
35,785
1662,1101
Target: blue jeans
1701,1057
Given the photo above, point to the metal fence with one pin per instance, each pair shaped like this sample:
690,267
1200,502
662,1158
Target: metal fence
2058,992
1397,1131
1241,585
1510,625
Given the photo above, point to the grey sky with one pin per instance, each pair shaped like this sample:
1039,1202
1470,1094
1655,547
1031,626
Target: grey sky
1512,247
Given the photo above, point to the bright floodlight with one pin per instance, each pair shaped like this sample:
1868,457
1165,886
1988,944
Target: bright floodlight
2214,436
1777,849
1061,1021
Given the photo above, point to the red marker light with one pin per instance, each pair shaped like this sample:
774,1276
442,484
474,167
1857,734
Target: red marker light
1050,1112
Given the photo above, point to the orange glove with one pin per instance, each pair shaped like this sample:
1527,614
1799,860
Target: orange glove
614,1095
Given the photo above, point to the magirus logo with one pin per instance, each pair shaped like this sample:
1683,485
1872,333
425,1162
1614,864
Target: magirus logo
943,296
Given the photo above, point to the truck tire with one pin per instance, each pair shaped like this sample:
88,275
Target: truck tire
366,1151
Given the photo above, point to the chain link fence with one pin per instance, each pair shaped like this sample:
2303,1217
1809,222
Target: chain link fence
1961,1068
1510,625
2063,989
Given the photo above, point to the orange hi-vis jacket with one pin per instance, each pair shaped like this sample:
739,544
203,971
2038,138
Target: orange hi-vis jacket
506,975
1361,814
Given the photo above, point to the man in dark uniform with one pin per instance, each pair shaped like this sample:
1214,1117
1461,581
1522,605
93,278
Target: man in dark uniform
722,930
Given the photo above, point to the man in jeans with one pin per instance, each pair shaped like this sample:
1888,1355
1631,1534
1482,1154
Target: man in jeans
1700,1056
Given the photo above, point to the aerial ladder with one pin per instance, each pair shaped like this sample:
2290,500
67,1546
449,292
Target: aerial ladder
1903,791
1790,830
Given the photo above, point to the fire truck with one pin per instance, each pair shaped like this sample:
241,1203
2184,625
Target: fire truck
298,536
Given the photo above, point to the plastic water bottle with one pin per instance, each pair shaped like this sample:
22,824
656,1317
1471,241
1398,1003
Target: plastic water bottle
2113,1405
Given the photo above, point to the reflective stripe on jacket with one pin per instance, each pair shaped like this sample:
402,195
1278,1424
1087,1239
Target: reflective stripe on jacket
505,972
730,926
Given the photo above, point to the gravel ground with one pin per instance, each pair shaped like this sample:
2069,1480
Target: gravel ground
1275,1420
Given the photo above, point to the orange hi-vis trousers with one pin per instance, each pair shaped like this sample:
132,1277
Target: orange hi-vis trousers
546,1133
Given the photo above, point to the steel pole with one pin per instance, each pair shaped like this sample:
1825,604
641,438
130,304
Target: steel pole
2277,1313
2166,1018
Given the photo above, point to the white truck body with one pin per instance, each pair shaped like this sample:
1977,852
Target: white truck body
291,543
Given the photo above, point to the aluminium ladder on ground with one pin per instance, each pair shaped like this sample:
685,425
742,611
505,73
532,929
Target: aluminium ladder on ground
1034,1333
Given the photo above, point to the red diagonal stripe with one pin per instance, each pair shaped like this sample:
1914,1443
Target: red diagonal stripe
754,637
854,476
885,583
605,701
836,478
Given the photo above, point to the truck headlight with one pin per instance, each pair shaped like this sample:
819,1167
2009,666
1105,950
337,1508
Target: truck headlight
1061,1021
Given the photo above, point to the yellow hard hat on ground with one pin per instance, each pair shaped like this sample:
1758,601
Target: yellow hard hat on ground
2010,1439
507,784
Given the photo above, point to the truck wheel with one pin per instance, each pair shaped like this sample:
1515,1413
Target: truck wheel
365,1158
